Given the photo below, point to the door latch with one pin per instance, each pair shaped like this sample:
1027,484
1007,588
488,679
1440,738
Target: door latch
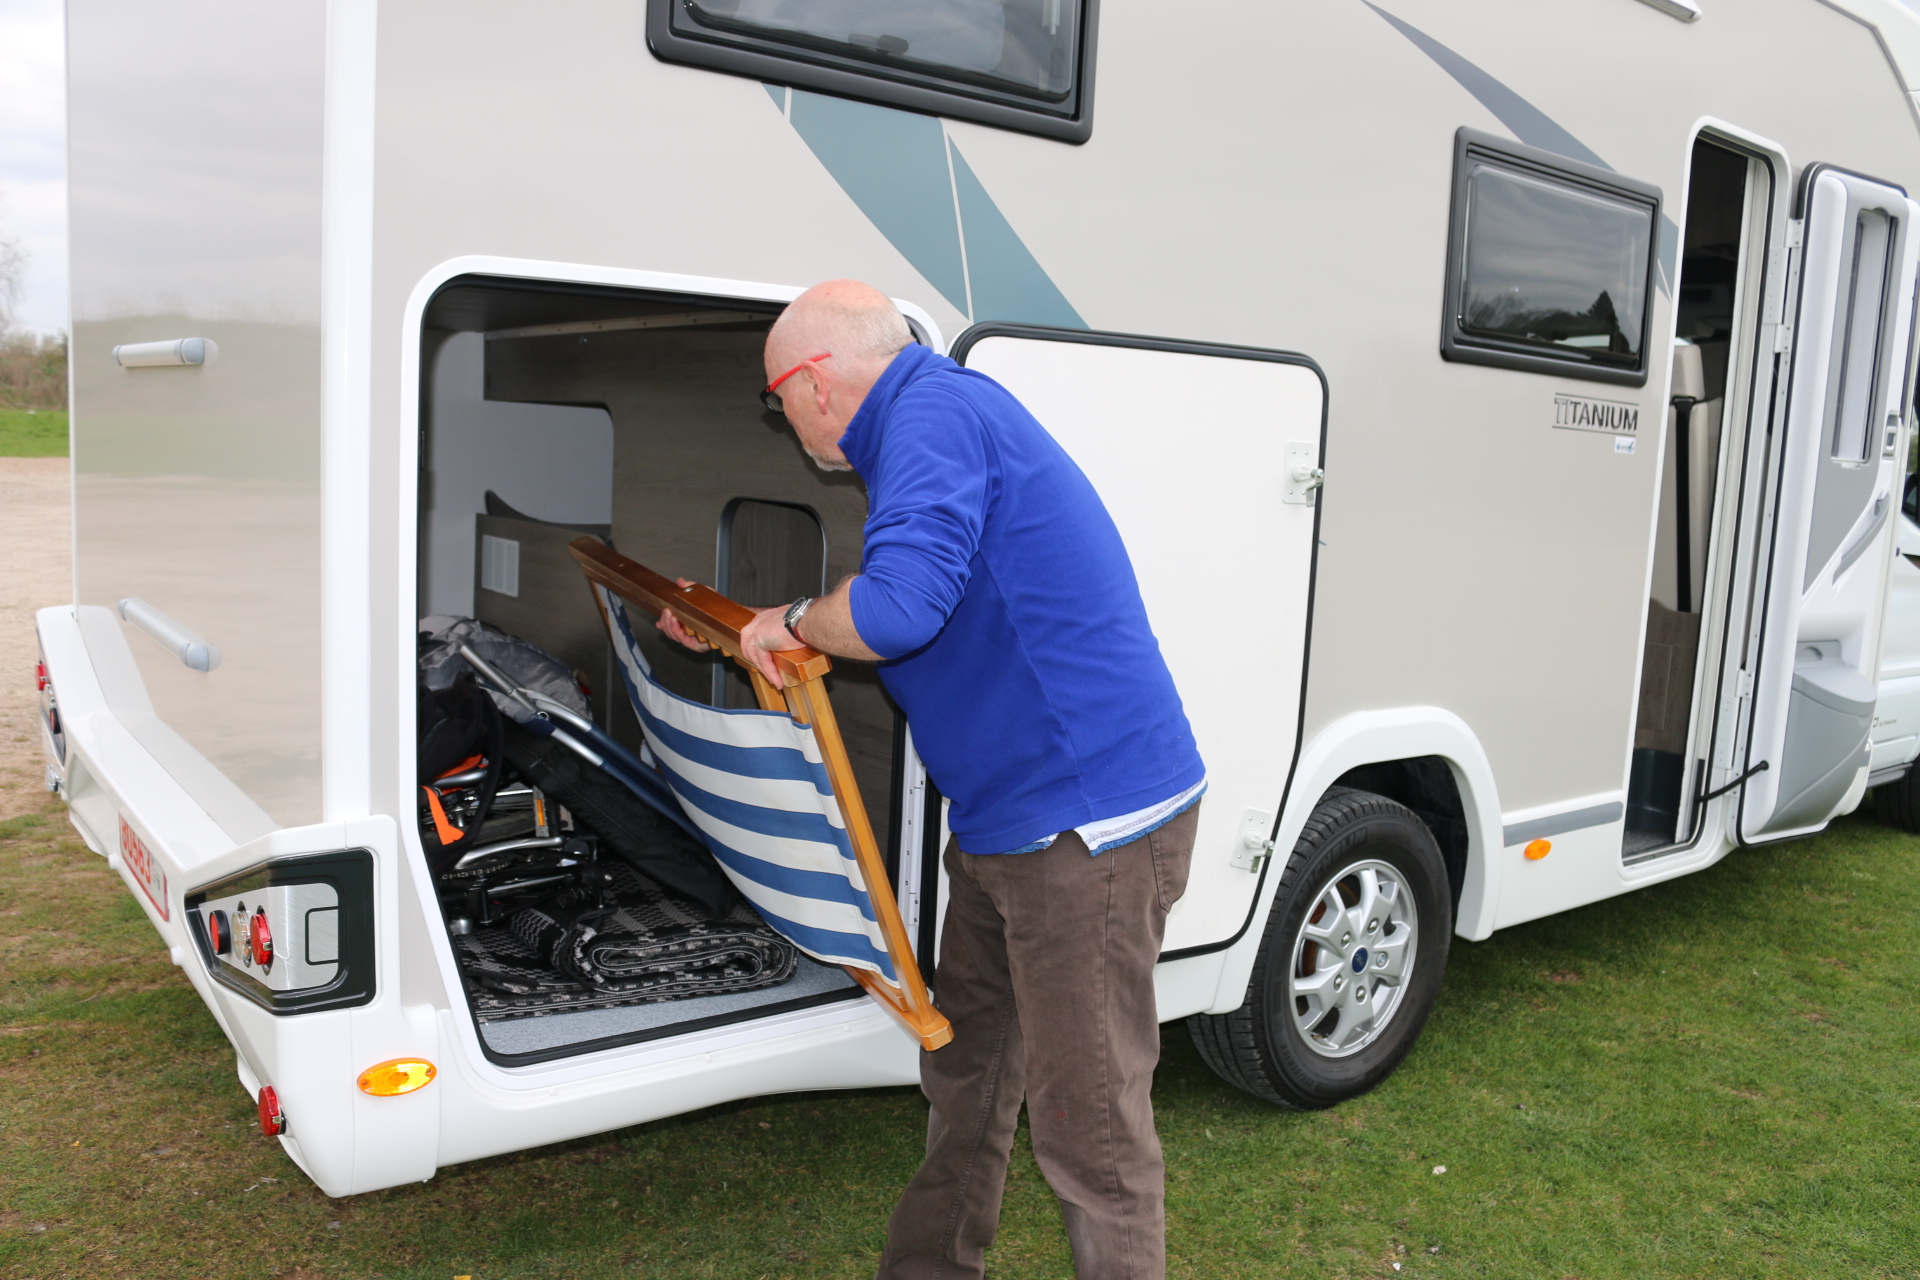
1252,845
1304,475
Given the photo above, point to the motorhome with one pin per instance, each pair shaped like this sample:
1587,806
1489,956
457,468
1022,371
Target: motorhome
1505,407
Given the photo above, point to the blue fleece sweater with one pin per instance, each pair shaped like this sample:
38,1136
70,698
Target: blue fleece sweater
997,588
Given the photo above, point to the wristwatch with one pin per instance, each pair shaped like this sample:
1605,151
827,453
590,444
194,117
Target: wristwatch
796,611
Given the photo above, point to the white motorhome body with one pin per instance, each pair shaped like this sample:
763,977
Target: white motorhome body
1416,511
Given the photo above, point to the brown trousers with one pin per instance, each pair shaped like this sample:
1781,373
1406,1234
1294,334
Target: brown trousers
1046,971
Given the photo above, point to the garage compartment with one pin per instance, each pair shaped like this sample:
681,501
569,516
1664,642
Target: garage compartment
553,411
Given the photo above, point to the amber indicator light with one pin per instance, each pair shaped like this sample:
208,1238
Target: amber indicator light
396,1076
1538,849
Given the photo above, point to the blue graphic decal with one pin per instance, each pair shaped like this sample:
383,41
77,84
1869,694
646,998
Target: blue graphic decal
1004,280
1526,122
912,183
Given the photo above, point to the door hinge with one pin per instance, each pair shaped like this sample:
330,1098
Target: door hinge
1253,846
1796,232
1746,683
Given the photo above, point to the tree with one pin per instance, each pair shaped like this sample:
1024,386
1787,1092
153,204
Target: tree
13,268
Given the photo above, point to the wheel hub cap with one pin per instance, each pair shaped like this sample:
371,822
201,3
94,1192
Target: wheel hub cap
1366,900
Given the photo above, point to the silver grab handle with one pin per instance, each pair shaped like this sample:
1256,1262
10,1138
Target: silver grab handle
174,638
147,355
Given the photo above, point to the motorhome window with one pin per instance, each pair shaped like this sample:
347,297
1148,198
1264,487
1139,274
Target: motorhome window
991,60
1549,270
1553,267
1858,342
1910,496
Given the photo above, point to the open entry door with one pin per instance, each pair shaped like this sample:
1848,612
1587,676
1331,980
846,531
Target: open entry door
1833,487
1208,459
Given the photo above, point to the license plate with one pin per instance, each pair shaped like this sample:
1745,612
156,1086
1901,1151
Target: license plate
147,872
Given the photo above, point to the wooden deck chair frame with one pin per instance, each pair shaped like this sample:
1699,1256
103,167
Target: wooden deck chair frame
802,695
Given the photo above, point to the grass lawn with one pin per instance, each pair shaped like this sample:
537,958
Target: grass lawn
24,434
1719,1077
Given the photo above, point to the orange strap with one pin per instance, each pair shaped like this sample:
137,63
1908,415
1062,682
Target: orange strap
448,833
471,762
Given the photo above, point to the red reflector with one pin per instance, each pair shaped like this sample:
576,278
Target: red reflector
273,1122
262,938
219,933
40,676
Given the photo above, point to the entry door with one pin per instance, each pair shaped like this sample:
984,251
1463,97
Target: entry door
1206,458
1834,478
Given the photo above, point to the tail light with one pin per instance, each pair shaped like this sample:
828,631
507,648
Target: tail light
292,935
50,711
260,940
273,1121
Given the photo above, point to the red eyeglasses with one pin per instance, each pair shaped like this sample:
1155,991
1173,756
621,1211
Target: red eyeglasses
768,396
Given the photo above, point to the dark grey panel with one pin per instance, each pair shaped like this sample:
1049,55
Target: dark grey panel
1559,824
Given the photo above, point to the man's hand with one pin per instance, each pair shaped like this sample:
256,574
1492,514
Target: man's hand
829,622
669,626
765,636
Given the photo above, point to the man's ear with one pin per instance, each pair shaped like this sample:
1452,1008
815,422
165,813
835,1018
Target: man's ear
821,394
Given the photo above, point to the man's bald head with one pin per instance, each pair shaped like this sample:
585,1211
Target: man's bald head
861,330
855,321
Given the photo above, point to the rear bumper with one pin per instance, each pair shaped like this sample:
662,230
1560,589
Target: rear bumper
166,848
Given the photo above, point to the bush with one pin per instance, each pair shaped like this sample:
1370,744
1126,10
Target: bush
33,371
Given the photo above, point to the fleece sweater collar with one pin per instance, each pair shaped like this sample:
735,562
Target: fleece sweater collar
861,441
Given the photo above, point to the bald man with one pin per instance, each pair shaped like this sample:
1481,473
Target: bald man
996,595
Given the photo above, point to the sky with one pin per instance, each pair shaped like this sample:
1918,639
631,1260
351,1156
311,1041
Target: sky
33,178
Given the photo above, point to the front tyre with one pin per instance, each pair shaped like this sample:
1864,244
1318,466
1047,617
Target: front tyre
1897,803
1350,962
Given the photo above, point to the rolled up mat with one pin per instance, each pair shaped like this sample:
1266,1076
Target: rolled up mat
630,828
649,943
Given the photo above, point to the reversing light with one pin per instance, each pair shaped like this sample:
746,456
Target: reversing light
273,1121
1538,849
396,1076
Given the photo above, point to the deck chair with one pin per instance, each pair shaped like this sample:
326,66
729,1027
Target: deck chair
771,791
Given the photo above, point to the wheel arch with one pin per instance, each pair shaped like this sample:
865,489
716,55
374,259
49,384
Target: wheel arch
1382,746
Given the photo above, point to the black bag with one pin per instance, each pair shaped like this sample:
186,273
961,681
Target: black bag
458,726
628,827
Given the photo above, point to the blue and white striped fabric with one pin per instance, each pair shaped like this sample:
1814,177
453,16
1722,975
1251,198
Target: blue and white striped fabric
755,785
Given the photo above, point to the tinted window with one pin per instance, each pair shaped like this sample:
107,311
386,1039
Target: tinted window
1018,63
1555,267
1548,268
1857,344
1910,498
1023,47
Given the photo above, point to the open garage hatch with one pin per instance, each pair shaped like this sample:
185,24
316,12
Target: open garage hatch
554,410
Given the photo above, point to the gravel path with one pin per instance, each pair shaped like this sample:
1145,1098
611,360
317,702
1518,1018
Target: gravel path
35,571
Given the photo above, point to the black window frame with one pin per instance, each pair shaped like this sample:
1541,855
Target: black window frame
1472,146
775,62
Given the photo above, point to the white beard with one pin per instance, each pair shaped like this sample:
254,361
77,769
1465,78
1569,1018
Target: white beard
826,464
